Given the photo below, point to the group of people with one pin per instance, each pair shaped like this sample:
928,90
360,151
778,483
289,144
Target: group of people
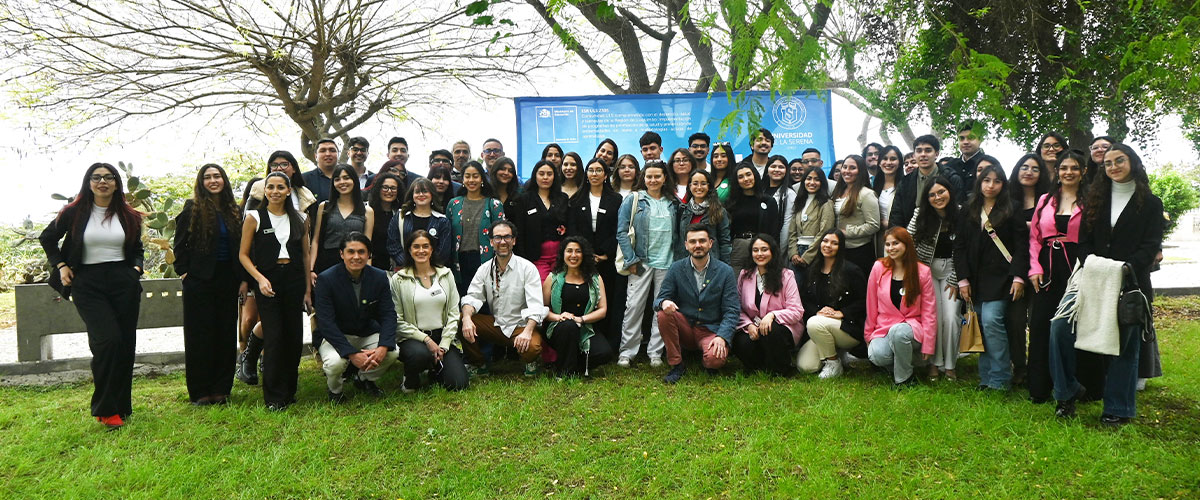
778,262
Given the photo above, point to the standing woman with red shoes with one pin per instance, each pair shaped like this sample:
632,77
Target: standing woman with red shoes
206,244
100,262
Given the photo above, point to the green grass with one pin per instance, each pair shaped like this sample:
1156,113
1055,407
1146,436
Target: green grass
623,435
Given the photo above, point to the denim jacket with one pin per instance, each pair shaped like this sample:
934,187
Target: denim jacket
636,252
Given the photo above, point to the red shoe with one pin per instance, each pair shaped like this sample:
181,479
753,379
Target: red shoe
113,422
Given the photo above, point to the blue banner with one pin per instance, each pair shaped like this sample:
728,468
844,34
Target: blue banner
798,121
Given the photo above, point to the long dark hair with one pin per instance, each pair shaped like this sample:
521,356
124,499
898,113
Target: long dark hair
615,176
729,163
1017,191
837,276
294,218
130,219
485,187
1100,190
929,223
881,178
1003,207
585,189
355,192
297,179
412,238
715,211
1057,136
851,192
671,179
773,278
616,151
546,150
736,195
375,200
587,266
207,206
512,188
822,194
1056,190
579,171
531,185
439,199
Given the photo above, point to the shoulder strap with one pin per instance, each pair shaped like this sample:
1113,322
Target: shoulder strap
987,226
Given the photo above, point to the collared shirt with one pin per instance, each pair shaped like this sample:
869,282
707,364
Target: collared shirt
318,183
922,181
701,272
515,298
966,158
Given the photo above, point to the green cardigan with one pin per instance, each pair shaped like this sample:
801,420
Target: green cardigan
585,330
404,285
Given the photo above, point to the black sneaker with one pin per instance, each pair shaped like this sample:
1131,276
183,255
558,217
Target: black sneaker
908,382
675,374
337,398
1114,421
368,387
1066,409
276,407
246,374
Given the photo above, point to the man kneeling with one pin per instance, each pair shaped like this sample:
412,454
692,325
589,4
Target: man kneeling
356,318
697,305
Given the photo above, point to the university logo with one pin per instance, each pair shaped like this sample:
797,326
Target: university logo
789,113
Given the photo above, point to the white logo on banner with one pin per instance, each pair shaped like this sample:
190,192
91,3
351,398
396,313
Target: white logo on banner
544,113
789,113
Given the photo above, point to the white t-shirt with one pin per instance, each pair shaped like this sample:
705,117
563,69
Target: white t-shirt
595,205
430,303
103,240
282,227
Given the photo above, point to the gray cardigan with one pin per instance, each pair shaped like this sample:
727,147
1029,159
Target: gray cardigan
861,225
820,219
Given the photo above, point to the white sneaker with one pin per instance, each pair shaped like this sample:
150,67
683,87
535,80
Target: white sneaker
831,368
623,362
656,362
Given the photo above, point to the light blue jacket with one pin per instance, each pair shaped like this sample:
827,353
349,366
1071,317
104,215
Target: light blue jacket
636,252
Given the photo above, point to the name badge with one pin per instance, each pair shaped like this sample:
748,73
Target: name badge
531,211
435,293
601,211
268,230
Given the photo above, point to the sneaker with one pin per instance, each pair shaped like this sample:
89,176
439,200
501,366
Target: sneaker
1066,409
831,368
624,361
478,371
656,362
531,369
247,374
336,398
1114,421
111,422
406,388
368,387
276,407
675,374
1141,384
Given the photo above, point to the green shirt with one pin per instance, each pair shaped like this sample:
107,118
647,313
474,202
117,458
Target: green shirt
661,227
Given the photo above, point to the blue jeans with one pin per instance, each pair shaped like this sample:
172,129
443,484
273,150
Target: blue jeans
995,366
1120,382
895,351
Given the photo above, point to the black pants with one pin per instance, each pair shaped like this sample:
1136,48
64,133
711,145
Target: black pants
108,297
283,331
210,332
571,360
468,264
616,288
772,351
1090,368
863,257
1016,319
416,358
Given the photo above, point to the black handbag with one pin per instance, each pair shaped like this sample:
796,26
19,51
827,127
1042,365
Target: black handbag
1133,307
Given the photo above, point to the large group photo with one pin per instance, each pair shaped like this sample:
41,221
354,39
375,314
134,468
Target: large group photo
726,287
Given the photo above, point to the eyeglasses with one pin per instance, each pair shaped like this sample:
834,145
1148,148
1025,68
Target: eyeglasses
462,151
504,238
280,165
1100,147
493,151
699,145
356,149
389,188
1028,168
103,178
1053,146
681,161
1119,161
439,161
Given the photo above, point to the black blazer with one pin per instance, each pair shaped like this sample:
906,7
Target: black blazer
340,314
71,250
537,223
852,302
203,264
579,221
1136,238
977,259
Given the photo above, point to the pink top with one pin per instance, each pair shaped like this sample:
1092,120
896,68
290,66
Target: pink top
1043,226
882,313
785,304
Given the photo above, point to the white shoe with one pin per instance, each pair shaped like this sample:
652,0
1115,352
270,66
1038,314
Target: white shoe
656,362
831,368
623,362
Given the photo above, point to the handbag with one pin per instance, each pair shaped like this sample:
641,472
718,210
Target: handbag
1133,307
619,257
971,338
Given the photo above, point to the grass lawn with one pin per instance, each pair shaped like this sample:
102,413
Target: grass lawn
622,435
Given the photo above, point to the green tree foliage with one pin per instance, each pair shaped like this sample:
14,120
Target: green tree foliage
1178,192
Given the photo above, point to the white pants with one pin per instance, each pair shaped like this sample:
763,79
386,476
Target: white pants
949,321
333,364
825,338
640,287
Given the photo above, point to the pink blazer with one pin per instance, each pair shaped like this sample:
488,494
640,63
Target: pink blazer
1043,227
882,314
786,304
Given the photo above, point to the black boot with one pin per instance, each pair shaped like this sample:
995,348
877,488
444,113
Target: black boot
247,370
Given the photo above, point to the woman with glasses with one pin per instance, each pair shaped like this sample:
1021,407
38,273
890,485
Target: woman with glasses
796,171
593,217
471,216
1049,147
206,246
857,211
682,163
427,316
703,207
1095,163
283,161
384,200
933,230
721,160
417,214
1122,221
1030,180
99,266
